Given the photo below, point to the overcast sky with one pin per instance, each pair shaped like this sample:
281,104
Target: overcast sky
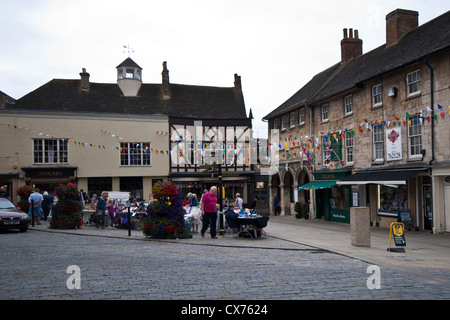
275,46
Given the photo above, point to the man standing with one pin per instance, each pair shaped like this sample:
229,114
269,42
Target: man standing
36,209
209,211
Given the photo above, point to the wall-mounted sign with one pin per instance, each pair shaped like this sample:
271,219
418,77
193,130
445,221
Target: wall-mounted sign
394,144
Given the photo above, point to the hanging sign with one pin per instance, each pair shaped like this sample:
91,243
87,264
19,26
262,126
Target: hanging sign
394,144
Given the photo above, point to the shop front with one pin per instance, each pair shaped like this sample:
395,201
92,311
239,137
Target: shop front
332,202
394,193
48,178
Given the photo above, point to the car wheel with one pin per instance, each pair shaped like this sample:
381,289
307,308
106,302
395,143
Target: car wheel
23,229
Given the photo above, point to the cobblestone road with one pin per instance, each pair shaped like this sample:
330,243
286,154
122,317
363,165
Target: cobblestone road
34,266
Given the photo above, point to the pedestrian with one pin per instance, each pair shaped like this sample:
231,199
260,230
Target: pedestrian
194,211
239,201
209,212
36,209
46,205
111,212
100,208
3,193
276,204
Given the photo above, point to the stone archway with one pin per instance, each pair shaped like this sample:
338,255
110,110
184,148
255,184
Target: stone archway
274,189
287,193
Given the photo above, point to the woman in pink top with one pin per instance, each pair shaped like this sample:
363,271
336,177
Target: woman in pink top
209,211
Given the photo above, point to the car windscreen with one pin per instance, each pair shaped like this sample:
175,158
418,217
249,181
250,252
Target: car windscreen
6,204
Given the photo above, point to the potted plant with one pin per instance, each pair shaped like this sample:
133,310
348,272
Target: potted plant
165,214
302,210
67,212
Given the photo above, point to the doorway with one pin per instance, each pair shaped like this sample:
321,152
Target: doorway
427,209
447,207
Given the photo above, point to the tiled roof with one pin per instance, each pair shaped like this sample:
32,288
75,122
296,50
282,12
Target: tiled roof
186,100
428,39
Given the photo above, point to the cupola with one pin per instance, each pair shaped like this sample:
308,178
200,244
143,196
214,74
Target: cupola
129,77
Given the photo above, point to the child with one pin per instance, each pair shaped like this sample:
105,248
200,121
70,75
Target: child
111,212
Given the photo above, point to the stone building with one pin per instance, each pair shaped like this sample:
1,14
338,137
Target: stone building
127,136
373,129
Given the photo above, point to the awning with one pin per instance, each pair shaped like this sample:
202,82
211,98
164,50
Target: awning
320,184
380,177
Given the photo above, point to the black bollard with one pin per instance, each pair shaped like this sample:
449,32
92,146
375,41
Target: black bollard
129,221
32,213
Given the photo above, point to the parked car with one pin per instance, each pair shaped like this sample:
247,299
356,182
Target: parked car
11,217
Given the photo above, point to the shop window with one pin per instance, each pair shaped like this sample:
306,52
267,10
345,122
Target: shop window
392,198
133,185
340,198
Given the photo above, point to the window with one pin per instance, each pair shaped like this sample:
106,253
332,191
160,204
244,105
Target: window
377,95
292,120
135,154
393,198
378,144
349,143
301,116
324,113
50,151
129,74
348,105
276,123
415,137
413,83
283,122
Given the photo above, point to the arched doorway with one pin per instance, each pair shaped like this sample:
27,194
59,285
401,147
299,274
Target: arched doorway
288,193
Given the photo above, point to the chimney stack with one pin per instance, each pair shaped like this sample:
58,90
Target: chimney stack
165,82
237,81
398,23
84,83
351,46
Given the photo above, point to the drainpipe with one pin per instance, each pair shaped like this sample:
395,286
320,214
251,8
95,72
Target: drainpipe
432,108
432,137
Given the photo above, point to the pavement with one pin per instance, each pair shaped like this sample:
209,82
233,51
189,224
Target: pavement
424,252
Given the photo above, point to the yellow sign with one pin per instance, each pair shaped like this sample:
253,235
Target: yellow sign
397,231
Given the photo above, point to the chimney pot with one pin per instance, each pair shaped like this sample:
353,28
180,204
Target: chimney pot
350,47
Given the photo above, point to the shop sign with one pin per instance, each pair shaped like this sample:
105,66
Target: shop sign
394,144
397,232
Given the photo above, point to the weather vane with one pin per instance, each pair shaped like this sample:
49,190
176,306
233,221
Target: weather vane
130,50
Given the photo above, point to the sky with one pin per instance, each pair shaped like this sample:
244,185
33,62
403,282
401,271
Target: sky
275,46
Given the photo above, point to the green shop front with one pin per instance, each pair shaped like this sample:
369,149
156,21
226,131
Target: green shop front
332,202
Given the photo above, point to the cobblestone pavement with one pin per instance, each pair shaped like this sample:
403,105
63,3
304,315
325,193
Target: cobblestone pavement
34,266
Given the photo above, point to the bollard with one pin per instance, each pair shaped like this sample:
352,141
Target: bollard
129,221
32,213
360,226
